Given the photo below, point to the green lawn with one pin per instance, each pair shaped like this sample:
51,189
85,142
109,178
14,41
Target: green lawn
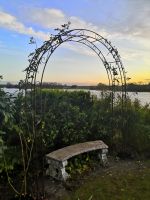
118,183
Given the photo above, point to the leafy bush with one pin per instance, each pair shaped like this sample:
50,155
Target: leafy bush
82,163
72,117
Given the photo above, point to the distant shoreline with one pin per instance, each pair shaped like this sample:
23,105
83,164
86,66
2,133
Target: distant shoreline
129,87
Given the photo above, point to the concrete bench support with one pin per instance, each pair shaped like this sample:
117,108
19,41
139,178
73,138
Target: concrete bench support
57,160
103,157
56,169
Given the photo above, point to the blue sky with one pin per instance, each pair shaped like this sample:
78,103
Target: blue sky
125,22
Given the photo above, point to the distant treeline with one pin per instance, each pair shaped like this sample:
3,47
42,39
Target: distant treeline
130,87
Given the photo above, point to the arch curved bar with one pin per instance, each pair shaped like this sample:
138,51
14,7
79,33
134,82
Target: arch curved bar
101,47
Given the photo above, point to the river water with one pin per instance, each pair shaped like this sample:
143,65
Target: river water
143,97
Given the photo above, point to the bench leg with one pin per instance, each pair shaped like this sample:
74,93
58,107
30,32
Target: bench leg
57,170
103,157
62,171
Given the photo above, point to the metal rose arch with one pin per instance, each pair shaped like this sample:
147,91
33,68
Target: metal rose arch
34,112
103,48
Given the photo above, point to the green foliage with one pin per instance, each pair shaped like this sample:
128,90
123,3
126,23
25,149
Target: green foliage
131,130
75,116
71,117
65,118
6,124
80,164
100,118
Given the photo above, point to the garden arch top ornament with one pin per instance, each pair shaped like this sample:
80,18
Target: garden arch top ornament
103,48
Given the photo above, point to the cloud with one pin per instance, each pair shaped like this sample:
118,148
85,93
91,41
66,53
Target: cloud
79,49
135,21
133,31
131,54
132,20
11,22
49,18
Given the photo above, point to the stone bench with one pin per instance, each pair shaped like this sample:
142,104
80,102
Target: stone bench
57,160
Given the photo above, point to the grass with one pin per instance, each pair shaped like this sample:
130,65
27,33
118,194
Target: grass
124,182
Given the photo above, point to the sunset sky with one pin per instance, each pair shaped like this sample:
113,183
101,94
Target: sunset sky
125,22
